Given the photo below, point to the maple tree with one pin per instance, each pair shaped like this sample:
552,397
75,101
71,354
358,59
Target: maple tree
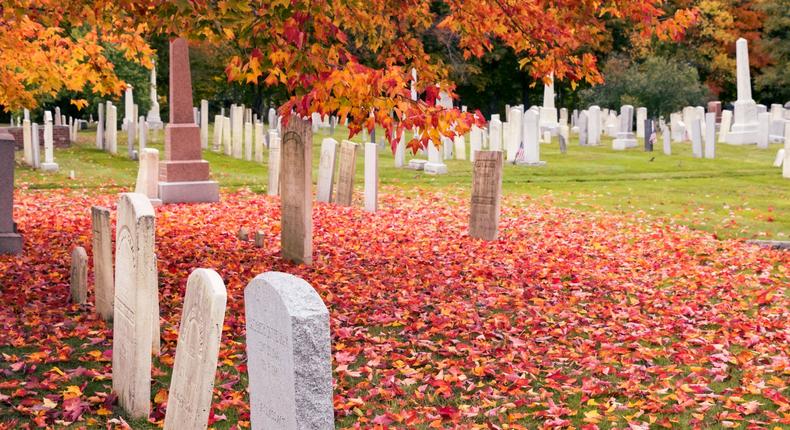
569,318
51,45
350,58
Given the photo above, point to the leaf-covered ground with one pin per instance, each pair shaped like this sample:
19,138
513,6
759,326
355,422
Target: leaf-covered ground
569,319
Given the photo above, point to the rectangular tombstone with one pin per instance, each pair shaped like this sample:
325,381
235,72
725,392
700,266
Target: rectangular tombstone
486,194
296,235
371,177
495,134
696,138
204,124
79,275
227,144
199,336
36,147
100,128
10,240
289,354
346,172
103,286
136,298
273,188
459,146
259,142
237,130
710,135
148,175
248,143
218,120
581,122
326,170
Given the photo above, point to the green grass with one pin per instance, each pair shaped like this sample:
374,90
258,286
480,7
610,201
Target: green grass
739,194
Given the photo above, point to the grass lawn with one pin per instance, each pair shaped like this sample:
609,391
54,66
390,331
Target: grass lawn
738,194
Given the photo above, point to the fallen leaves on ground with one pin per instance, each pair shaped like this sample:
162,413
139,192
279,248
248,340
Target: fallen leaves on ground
569,318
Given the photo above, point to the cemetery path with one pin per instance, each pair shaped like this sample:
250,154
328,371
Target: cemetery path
568,318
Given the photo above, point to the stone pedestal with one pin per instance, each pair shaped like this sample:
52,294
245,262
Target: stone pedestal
184,175
10,240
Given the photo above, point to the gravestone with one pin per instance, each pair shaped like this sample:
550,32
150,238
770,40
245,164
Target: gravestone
197,350
289,354
763,129
227,144
79,275
744,127
10,240
100,128
142,135
136,298
371,177
36,149
563,136
148,175
715,107
459,146
243,234
274,163
296,219
594,126
641,117
531,144
696,138
184,175
27,142
786,163
667,136
111,129
475,142
326,170
218,120
260,237
434,166
582,124
710,135
625,136
724,128
58,117
49,164
237,131
486,192
346,172
400,151
204,124
103,286
649,135
780,157
248,143
495,134
259,141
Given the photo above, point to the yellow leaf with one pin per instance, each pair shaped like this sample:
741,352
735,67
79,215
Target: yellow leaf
71,392
49,404
161,396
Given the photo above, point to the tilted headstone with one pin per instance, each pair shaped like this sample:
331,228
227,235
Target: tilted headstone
296,219
346,173
289,360
148,175
136,298
103,285
273,188
371,177
486,192
79,275
197,350
326,170
10,240
780,157
183,175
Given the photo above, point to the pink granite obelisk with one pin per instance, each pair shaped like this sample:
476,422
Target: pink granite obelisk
184,175
10,240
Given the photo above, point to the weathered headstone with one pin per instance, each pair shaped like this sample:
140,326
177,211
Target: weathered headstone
103,286
184,175
273,188
780,157
289,354
10,240
763,129
582,124
667,136
296,219
195,367
641,117
227,139
243,234
531,136
248,143
594,126
100,128
475,142
710,135
696,138
434,166
625,135
744,127
27,142
218,120
786,164
486,191
79,275
371,177
346,172
148,175
649,134
326,170
237,131
400,151
260,237
36,148
495,133
111,129
136,298
459,146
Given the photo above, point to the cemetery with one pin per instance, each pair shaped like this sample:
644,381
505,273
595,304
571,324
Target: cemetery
317,215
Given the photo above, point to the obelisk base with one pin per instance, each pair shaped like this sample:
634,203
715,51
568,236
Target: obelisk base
10,243
189,192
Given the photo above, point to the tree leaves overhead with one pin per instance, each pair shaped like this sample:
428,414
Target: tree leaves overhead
569,318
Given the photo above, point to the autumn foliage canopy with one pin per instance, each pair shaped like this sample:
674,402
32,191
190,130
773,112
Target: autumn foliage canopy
354,59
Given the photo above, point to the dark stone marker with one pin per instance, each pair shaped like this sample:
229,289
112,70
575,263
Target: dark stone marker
563,144
650,136
296,195
10,240
486,193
